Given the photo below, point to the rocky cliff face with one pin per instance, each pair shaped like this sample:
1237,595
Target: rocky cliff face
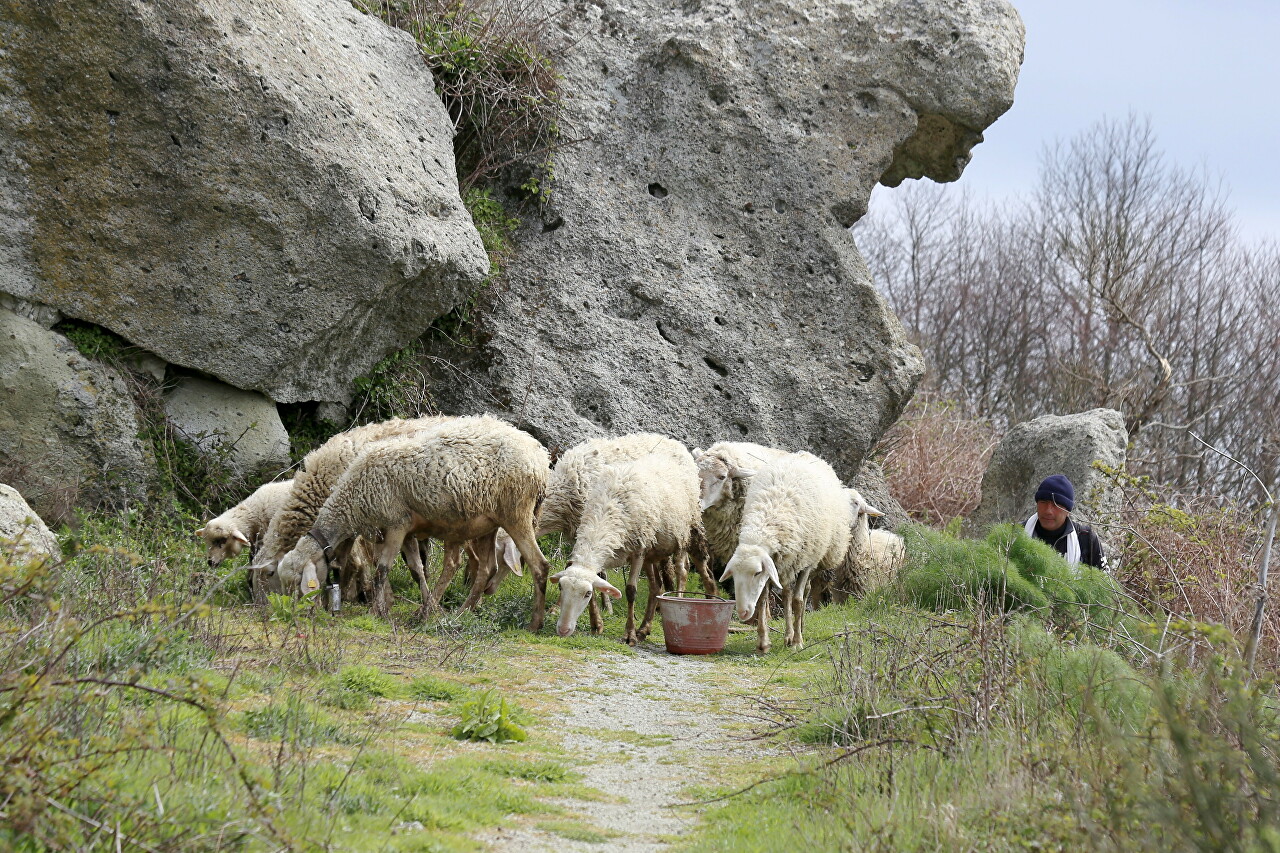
693,273
262,190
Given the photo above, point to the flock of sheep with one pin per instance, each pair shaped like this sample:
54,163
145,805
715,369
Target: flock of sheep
641,502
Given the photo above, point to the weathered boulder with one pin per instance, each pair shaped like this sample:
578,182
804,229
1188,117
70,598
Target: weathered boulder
871,484
262,190
1054,444
22,533
693,273
242,428
68,429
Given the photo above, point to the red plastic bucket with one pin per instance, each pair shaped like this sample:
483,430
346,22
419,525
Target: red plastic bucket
694,626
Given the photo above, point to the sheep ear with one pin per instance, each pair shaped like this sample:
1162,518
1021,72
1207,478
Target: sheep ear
741,473
511,556
772,570
607,588
556,577
200,533
725,576
696,453
236,534
872,511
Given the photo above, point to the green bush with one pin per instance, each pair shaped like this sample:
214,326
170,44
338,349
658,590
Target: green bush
1007,570
488,718
368,681
429,687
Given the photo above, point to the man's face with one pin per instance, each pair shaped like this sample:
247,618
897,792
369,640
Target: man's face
1051,515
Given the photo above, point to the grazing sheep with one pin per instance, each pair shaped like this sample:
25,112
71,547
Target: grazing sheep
457,482
637,514
243,524
723,471
574,474
838,583
312,485
796,519
888,553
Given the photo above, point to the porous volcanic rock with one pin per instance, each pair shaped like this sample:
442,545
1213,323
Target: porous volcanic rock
1054,444
693,272
262,190
69,434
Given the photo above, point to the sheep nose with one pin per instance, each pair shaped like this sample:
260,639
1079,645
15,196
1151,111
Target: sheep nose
563,631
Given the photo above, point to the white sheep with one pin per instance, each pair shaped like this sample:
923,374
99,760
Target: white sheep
312,485
887,554
723,471
838,583
456,482
796,519
638,514
576,471
244,524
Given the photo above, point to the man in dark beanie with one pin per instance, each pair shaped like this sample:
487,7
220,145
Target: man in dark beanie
1055,498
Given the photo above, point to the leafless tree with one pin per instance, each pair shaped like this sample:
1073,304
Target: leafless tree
1120,282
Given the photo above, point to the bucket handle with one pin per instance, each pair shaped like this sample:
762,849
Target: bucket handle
697,596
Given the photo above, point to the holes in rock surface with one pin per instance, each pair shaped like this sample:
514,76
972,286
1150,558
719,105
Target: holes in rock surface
719,94
658,190
867,101
779,206
715,365
113,76
742,428
552,224
174,137
662,333
720,321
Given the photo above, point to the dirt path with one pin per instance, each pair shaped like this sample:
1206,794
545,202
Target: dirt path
644,726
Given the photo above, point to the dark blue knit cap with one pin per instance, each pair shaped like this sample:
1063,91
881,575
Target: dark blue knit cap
1057,488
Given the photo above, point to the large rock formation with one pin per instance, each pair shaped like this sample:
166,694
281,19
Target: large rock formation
68,431
1054,444
693,273
262,190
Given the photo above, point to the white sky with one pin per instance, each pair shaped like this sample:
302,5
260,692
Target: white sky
1207,74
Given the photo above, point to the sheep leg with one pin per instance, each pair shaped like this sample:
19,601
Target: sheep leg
521,533
633,580
652,573
391,544
593,608
412,551
762,622
482,569
448,568
682,573
798,593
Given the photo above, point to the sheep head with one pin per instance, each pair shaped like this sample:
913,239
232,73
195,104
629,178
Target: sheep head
576,586
223,541
752,569
302,568
717,479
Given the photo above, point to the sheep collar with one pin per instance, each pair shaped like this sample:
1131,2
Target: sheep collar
325,546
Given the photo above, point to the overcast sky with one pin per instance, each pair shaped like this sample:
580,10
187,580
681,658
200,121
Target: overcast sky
1207,74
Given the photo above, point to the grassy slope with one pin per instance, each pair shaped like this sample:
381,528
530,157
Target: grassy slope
895,728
